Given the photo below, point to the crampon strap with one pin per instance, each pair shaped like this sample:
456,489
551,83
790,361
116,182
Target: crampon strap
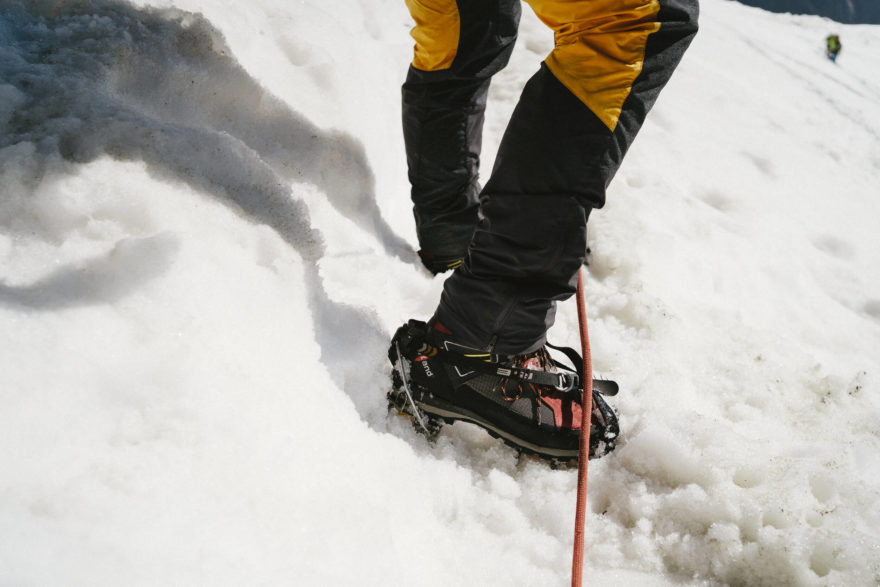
566,380
601,386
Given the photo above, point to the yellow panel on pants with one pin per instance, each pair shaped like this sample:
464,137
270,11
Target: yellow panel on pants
437,30
600,48
599,52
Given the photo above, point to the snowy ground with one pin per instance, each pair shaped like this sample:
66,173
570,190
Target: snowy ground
206,242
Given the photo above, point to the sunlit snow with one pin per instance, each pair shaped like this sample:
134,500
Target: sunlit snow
206,243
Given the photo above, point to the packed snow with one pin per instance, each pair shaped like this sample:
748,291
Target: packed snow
206,243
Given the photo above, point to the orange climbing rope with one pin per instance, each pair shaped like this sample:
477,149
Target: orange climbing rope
577,566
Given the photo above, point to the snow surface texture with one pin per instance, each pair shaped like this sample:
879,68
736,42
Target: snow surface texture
206,242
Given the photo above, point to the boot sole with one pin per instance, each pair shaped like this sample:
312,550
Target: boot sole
450,413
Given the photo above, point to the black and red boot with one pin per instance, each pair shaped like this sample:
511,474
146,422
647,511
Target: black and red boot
530,401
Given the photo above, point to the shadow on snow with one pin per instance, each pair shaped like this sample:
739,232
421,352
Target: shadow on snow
103,78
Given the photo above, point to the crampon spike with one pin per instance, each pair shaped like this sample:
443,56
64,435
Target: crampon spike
420,420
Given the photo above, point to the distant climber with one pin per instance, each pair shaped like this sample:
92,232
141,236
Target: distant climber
832,47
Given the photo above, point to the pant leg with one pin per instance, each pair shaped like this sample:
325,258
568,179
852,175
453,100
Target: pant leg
574,122
459,46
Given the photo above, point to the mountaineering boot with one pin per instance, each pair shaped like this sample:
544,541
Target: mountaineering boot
530,401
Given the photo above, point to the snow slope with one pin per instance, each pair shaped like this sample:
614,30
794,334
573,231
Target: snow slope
206,242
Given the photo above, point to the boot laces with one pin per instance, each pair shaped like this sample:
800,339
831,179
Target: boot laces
537,361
